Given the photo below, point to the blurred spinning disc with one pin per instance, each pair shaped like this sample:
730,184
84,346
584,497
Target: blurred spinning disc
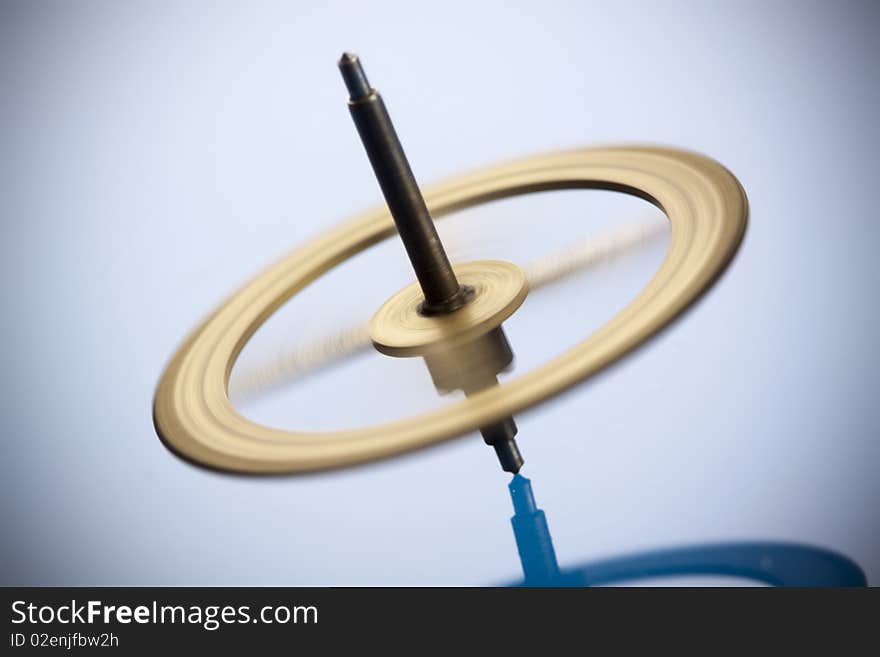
707,211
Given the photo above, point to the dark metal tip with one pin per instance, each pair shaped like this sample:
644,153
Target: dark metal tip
508,455
354,76
501,436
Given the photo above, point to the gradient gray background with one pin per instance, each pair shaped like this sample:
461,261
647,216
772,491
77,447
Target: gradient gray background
154,155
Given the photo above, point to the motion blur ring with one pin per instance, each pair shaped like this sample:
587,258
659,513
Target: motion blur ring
707,211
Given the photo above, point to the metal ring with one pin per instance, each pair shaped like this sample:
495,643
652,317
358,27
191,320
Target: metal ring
707,211
397,328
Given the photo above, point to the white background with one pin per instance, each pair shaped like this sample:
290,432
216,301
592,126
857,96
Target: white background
155,155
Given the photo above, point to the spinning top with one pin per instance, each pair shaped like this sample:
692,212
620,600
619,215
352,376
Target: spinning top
450,313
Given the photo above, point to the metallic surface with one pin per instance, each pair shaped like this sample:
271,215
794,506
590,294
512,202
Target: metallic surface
707,210
301,359
398,329
472,366
442,292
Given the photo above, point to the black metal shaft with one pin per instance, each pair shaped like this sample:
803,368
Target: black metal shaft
414,224
502,437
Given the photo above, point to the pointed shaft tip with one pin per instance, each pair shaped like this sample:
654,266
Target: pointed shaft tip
354,76
508,455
